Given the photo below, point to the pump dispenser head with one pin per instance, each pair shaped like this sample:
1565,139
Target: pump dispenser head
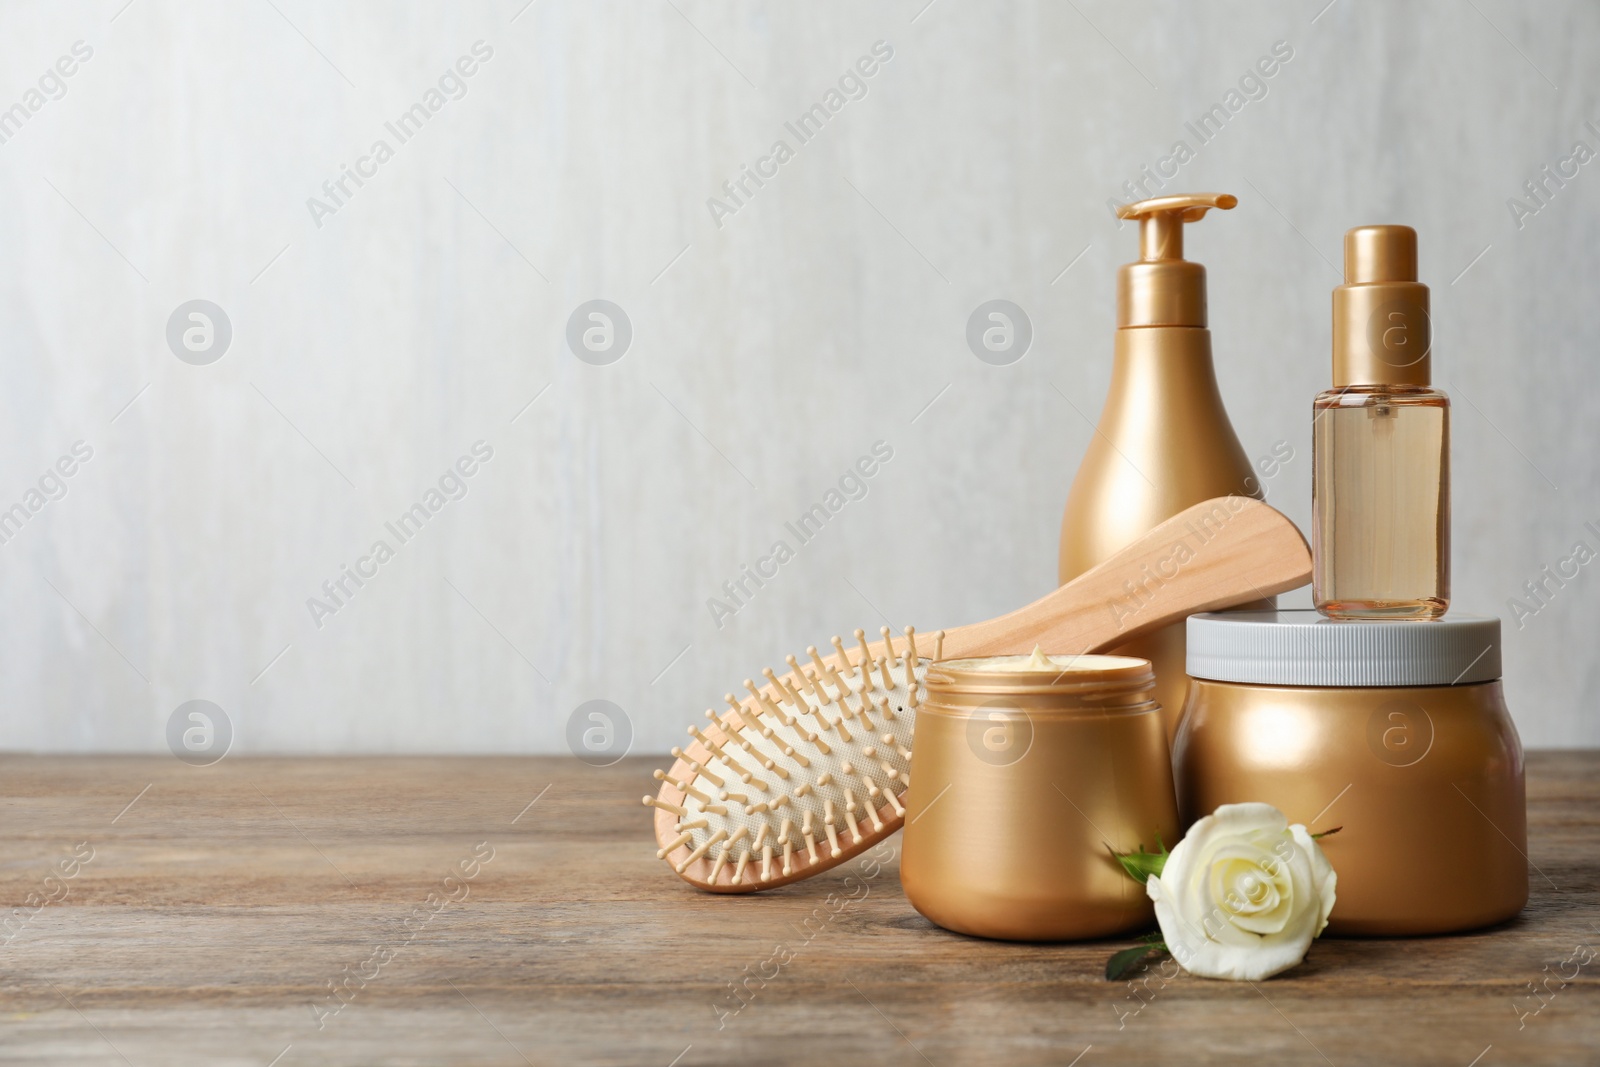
1381,331
1163,288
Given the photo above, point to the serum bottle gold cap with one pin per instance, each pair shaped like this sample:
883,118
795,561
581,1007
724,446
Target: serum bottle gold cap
1382,334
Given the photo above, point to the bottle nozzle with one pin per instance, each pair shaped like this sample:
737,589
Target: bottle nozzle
1163,288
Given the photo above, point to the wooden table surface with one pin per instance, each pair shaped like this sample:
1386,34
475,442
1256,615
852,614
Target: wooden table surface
512,910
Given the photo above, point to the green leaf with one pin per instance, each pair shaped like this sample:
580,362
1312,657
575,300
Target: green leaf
1122,962
1326,833
1140,864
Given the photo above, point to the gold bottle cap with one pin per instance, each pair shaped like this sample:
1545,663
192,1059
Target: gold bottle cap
1382,334
1163,288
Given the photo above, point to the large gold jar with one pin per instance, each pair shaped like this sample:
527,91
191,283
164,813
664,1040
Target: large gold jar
1397,732
1025,777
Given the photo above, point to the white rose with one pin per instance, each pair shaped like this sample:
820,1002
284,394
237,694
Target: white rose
1243,895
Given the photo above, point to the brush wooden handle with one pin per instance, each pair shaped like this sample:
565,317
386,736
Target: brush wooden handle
1219,553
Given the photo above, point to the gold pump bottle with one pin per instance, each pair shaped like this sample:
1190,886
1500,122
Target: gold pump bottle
1380,497
1164,441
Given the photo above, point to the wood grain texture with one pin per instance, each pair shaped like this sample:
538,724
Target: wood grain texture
218,906
1218,553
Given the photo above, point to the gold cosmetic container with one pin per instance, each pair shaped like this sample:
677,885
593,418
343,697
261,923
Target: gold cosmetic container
1023,784
1164,440
1380,488
1396,732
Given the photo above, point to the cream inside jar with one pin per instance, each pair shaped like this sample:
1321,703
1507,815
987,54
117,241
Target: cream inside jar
1037,661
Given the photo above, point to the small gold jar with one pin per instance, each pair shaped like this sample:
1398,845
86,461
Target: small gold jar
1396,732
1027,773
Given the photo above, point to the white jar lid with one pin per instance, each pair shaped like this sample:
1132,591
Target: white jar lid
1302,647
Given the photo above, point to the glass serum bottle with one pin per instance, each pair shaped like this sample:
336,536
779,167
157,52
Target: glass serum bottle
1381,443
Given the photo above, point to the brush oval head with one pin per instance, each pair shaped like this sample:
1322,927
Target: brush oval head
800,773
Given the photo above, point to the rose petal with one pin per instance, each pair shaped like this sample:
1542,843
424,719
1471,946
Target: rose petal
1322,873
1237,864
1213,959
1243,820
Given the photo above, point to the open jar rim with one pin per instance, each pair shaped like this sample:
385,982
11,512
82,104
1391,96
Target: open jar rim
969,682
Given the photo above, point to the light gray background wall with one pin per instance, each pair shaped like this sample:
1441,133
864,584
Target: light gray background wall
369,352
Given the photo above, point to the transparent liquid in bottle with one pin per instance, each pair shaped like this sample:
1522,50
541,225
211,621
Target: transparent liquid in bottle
1381,503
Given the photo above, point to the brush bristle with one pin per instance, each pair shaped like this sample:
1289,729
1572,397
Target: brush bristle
802,772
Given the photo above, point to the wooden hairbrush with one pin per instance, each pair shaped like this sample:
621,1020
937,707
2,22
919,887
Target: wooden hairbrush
811,768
